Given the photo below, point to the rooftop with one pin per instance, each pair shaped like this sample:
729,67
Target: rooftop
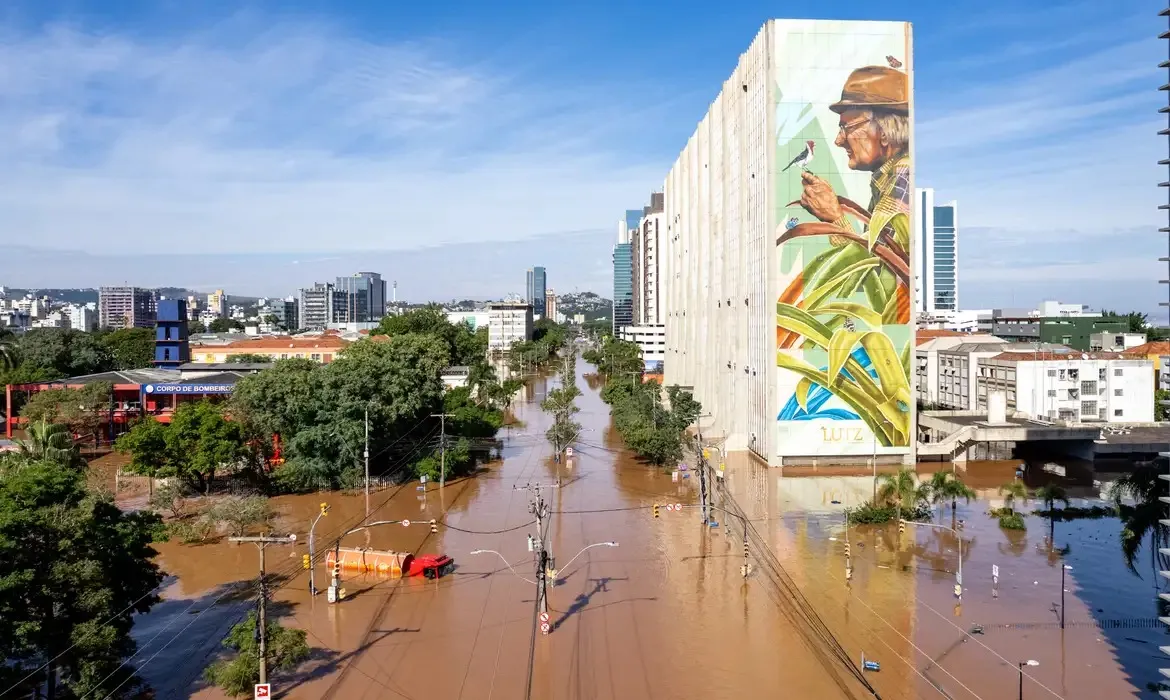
1157,347
1067,356
280,342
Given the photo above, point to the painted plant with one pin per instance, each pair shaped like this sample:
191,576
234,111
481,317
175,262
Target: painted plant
848,294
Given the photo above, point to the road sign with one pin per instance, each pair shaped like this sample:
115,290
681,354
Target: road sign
669,507
263,690
568,451
405,523
674,476
995,570
678,506
544,627
544,617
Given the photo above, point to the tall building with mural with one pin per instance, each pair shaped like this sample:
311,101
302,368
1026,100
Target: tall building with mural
787,269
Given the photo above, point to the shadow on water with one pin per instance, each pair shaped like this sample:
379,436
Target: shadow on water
600,585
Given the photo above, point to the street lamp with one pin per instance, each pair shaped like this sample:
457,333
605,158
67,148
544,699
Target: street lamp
1063,569
501,556
1022,664
312,581
588,547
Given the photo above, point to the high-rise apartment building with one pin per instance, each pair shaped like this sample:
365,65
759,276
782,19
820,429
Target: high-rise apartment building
623,274
536,288
645,247
315,306
508,322
127,307
217,303
756,286
550,304
937,245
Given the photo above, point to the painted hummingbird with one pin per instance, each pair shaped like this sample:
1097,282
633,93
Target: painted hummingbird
804,158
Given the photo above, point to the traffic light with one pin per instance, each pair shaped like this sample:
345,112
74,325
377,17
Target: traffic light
846,549
655,510
324,509
305,561
434,526
901,526
745,549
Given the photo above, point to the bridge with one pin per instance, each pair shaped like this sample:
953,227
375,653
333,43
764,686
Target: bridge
951,433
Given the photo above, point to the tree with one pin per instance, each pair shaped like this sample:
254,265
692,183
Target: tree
63,352
242,513
130,348
8,356
1013,492
616,357
249,358
224,325
75,569
464,346
196,326
198,443
1161,410
945,485
238,676
81,410
50,443
1144,486
1049,494
902,490
172,495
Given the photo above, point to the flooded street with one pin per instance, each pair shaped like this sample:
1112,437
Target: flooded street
667,614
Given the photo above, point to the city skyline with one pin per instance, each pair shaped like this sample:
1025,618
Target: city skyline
265,166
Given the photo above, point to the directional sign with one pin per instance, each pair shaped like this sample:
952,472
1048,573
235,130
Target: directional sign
568,451
544,617
995,570
263,690
678,506
669,507
544,627
405,523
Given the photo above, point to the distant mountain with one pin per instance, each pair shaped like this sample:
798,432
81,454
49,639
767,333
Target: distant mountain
593,306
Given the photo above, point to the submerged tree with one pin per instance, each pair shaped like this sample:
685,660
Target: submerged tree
238,675
947,486
1143,486
1049,494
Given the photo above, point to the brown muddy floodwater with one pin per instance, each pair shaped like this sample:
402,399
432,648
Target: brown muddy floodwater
667,613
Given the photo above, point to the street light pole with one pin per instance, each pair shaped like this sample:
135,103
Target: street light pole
312,554
959,538
442,446
1063,568
366,456
1022,664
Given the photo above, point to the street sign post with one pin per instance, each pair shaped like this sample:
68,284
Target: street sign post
568,451
678,507
544,627
544,617
262,690
405,523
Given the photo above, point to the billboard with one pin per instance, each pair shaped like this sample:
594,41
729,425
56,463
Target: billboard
842,183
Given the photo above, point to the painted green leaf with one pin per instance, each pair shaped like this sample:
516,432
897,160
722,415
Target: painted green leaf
906,356
886,363
861,312
824,290
901,225
841,344
890,313
802,389
863,405
878,222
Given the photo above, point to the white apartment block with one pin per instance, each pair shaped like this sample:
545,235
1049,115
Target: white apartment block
508,322
1115,342
646,249
1073,386
651,340
82,318
926,362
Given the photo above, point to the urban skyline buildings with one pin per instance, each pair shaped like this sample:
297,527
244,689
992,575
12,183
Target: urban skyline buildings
127,307
623,272
536,288
936,242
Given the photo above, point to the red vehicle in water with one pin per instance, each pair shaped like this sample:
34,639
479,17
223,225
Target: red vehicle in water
429,565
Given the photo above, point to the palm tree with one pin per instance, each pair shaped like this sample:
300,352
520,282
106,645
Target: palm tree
1013,491
50,442
902,489
1143,485
1049,494
947,485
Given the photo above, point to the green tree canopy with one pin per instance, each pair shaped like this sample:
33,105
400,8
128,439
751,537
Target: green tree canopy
63,352
616,357
248,358
80,410
74,569
130,348
198,443
464,346
238,675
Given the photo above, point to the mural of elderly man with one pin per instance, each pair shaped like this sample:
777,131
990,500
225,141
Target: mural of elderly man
874,130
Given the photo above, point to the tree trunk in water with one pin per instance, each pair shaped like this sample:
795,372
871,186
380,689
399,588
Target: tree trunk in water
51,683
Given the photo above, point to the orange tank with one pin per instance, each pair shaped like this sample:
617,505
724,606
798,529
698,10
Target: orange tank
370,560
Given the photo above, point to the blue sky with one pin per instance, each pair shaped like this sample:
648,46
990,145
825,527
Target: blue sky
262,140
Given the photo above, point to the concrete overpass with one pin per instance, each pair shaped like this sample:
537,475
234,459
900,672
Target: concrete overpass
949,434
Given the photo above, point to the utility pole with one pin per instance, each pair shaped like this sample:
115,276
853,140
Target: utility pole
442,446
545,562
261,542
366,454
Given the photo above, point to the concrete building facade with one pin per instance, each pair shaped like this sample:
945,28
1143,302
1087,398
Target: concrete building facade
623,278
757,288
652,341
550,304
508,322
127,307
315,306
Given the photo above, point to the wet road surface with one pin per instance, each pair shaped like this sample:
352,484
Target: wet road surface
666,614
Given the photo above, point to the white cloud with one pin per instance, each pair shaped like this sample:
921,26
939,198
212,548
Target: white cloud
293,138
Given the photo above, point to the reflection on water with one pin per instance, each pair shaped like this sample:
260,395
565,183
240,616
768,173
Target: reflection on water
667,613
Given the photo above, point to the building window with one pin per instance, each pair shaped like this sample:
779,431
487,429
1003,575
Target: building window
1089,408
1117,373
1117,392
1088,388
1074,374
1051,373
1117,413
1101,374
315,356
1052,393
1065,339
